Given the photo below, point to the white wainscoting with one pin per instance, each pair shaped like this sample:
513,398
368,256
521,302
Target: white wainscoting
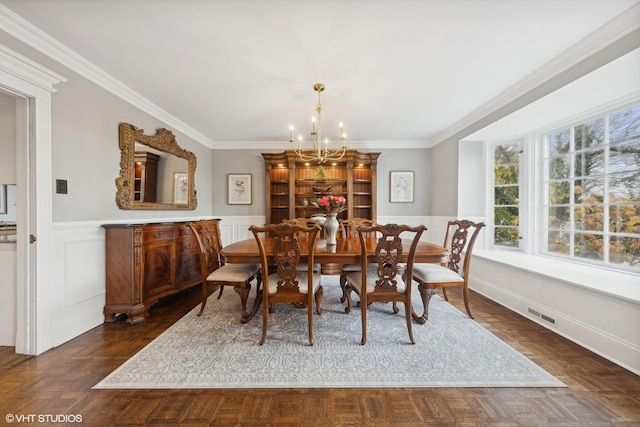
8,283
77,280
78,267
600,322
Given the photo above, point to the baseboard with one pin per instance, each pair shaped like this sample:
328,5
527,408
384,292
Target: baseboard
607,345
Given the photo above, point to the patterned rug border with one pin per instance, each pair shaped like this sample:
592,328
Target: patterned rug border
216,351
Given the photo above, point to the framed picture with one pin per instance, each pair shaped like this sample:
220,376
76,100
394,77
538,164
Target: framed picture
401,187
180,187
239,189
3,199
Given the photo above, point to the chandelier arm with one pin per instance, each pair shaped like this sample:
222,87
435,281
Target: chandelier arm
319,154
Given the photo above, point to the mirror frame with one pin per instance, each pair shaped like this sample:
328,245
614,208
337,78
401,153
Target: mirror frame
163,140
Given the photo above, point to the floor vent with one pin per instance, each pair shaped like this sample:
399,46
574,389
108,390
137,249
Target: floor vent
548,319
542,316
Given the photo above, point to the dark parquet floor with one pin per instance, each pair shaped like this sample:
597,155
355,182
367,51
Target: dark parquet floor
58,383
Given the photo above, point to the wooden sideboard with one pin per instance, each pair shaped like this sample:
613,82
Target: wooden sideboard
146,262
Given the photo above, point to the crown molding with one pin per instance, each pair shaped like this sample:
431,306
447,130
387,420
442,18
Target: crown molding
20,66
284,145
605,36
29,34
608,34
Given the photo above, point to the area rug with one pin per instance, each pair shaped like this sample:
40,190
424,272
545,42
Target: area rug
217,351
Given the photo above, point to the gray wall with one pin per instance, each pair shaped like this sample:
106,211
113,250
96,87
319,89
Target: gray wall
85,120
443,175
7,139
472,179
225,162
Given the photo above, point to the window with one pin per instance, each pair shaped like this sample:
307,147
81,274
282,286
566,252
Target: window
592,190
506,194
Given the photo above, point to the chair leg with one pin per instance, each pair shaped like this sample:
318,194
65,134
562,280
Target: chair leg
407,315
220,293
363,311
465,297
265,317
343,285
256,302
348,290
265,321
426,295
319,295
205,295
310,323
243,291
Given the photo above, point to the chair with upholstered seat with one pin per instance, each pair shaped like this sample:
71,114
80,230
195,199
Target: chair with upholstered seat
291,244
384,283
348,230
460,238
216,273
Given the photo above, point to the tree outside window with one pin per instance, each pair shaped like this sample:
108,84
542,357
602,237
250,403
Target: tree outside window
592,190
506,200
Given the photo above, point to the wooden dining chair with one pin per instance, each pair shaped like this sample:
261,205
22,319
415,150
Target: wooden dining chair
459,238
305,222
384,283
216,273
291,244
348,230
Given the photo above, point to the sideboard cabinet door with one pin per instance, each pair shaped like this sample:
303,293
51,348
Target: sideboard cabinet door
146,262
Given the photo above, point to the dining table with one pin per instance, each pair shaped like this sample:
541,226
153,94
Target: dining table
332,257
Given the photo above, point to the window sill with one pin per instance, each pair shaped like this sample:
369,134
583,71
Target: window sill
602,280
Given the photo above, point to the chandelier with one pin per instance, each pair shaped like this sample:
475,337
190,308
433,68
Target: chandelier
320,152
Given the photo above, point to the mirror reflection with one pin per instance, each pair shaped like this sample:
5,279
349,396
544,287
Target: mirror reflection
155,172
159,177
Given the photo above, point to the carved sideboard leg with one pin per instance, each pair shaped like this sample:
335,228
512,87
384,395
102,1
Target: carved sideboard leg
135,313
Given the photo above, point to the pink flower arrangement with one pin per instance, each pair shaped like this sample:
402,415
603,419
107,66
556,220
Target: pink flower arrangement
331,204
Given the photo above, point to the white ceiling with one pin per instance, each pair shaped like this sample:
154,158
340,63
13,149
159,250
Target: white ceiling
398,71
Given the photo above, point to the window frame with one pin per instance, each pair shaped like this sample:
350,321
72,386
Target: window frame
522,193
532,227
542,178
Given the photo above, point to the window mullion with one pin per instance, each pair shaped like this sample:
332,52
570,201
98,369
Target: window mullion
572,192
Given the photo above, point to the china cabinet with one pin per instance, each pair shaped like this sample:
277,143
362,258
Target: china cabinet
292,185
145,177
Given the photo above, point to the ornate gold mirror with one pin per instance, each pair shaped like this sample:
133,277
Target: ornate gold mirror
155,173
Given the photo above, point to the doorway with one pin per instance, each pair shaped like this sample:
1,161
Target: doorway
31,85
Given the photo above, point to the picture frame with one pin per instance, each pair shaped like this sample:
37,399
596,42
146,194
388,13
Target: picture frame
180,187
401,187
239,189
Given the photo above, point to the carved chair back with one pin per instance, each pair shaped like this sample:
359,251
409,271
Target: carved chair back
460,238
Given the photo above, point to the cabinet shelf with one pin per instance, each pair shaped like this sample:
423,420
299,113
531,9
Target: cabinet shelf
352,177
320,182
